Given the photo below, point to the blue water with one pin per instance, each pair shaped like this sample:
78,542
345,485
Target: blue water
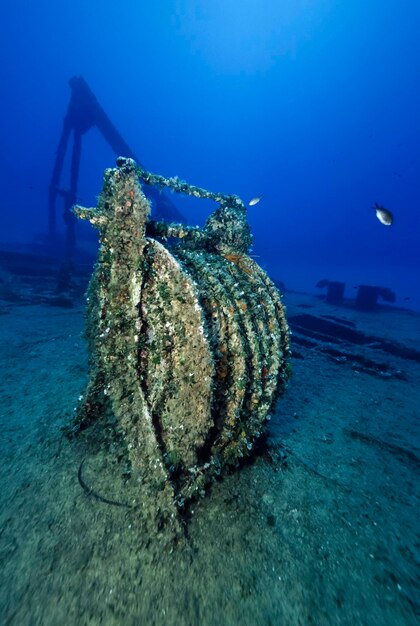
312,104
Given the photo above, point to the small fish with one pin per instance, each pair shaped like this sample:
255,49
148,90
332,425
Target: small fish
383,215
254,201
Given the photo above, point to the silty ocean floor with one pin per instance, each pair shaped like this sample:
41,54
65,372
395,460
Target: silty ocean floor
320,529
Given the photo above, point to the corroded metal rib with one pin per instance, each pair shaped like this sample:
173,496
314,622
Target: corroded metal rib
121,217
178,364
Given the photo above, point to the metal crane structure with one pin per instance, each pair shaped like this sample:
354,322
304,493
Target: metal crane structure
84,113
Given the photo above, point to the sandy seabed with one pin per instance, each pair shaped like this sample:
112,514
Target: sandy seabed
322,529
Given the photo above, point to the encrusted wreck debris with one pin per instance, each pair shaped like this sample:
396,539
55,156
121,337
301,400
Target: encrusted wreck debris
189,343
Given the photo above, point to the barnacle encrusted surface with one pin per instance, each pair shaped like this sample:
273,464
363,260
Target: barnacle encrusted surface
188,341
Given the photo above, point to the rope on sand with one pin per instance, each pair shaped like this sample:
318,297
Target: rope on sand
89,491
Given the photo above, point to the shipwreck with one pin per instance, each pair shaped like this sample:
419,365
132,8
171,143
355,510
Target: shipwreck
187,335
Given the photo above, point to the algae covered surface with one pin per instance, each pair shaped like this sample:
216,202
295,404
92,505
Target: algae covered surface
188,343
321,528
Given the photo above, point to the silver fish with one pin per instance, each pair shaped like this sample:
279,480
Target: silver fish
254,201
383,215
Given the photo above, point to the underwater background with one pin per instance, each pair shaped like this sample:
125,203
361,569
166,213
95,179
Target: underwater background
311,106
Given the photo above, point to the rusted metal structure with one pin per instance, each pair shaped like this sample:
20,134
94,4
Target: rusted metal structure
84,113
188,338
